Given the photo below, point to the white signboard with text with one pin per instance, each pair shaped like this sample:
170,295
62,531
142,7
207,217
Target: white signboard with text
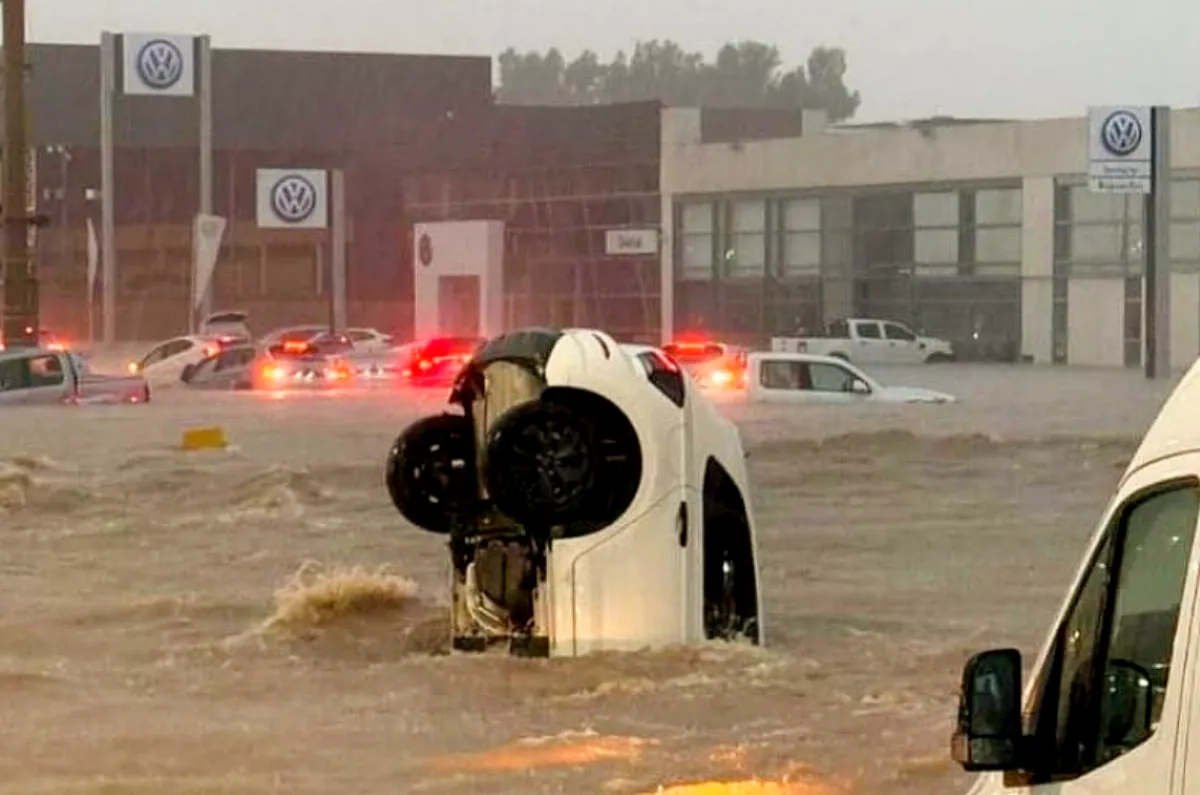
159,64
292,198
631,241
1120,149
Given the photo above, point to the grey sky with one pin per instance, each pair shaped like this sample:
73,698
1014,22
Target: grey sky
909,58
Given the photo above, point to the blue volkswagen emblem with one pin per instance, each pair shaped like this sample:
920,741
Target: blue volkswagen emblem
294,199
160,64
1121,133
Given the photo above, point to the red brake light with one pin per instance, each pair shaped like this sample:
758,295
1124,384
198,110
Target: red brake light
210,350
295,347
424,364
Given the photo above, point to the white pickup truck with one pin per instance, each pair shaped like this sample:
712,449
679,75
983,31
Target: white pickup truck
869,341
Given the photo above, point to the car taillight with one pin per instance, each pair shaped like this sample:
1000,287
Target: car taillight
296,347
209,350
274,373
424,364
132,368
720,377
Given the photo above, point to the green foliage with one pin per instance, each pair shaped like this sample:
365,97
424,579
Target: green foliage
746,74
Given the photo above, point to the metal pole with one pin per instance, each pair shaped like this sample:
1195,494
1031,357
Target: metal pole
1157,246
204,79
108,243
20,318
337,270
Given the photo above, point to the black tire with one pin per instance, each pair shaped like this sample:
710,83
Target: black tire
541,464
431,475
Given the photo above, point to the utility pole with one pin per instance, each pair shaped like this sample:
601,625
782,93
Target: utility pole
20,319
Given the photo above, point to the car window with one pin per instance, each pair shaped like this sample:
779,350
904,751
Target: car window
777,374
867,331
829,377
14,374
46,371
1123,619
361,336
204,367
894,331
155,355
229,359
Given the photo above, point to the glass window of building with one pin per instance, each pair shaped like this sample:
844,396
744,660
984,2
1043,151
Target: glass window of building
935,233
802,237
748,254
696,241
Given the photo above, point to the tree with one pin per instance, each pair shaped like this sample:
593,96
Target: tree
745,74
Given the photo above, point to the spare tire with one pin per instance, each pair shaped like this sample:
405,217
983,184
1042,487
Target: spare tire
431,475
541,464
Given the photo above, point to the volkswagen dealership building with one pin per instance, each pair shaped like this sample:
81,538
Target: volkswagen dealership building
981,232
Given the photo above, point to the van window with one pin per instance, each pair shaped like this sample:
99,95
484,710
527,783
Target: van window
1123,620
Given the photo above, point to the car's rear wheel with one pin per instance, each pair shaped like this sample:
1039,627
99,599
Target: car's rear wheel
431,474
541,464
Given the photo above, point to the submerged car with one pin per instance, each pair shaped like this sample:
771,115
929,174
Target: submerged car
809,378
278,367
592,497
33,376
436,362
713,365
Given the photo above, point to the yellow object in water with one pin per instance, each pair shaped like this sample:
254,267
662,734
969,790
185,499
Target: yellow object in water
204,439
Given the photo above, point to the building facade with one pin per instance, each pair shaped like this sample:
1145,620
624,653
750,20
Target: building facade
980,232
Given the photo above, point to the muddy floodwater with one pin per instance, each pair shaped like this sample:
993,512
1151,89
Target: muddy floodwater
260,620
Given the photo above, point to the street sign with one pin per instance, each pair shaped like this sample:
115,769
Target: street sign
630,241
1120,149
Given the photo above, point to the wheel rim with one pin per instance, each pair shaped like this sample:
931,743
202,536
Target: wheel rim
436,472
549,461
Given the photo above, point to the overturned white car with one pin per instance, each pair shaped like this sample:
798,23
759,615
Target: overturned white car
593,498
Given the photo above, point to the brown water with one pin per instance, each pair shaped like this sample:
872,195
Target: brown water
144,647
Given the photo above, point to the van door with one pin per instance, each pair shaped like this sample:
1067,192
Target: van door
1102,714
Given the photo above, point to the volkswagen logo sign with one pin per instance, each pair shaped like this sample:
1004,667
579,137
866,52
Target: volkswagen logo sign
160,64
294,199
1121,133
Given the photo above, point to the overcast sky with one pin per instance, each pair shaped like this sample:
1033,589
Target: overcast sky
910,58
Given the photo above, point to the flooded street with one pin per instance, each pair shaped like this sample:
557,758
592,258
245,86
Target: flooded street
260,620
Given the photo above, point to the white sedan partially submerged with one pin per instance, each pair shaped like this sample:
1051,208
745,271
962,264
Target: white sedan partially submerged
593,500
808,378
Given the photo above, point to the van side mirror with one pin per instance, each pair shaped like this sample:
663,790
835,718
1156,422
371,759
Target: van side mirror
988,733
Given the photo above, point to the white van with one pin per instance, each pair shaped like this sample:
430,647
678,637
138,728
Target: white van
1114,701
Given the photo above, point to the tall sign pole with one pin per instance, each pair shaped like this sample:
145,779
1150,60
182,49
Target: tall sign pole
204,81
337,270
20,320
108,242
1129,153
158,64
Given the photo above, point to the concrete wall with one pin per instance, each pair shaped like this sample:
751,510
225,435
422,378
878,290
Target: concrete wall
1037,267
1096,337
458,248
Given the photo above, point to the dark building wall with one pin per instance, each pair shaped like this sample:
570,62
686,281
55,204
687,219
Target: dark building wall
261,99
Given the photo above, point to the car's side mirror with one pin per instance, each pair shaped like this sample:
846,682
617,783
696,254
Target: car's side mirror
860,387
988,733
